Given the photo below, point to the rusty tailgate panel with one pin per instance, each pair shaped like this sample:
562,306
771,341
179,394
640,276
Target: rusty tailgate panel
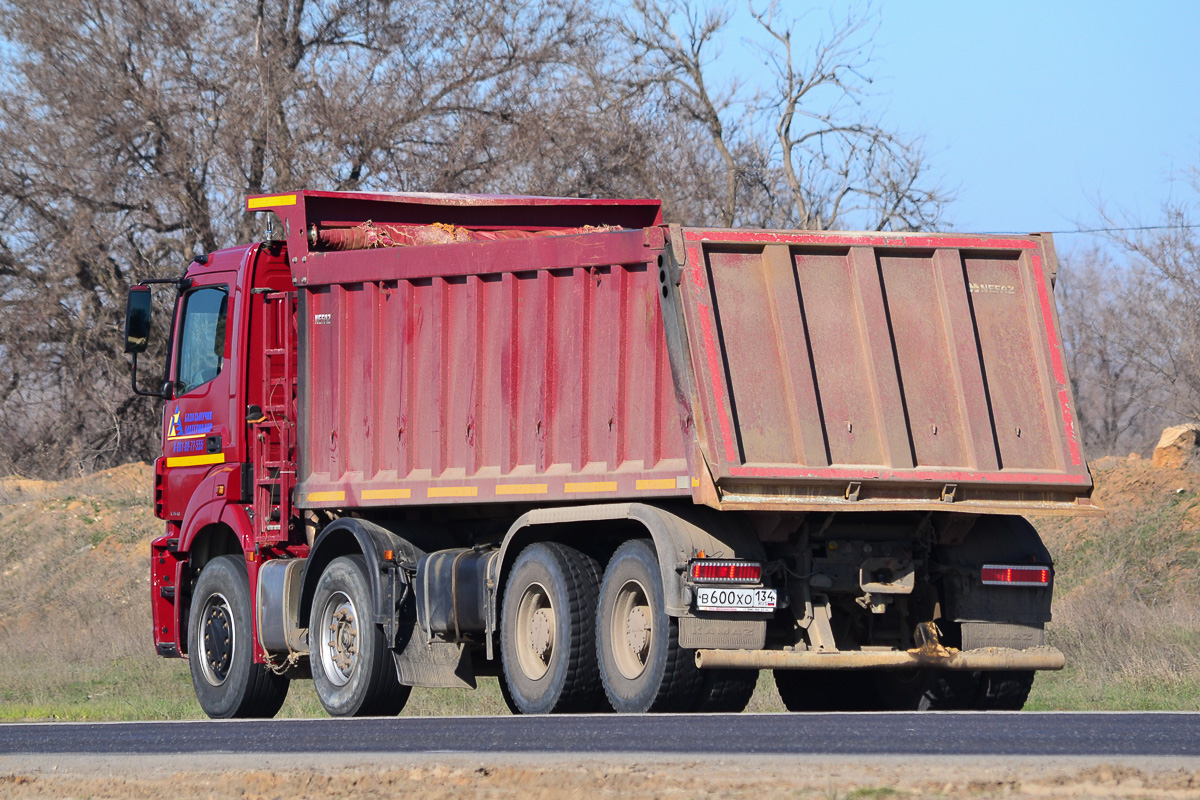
874,370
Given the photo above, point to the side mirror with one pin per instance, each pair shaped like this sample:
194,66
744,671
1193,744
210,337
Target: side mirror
137,320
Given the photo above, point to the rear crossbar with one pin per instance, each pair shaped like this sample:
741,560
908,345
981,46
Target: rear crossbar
984,658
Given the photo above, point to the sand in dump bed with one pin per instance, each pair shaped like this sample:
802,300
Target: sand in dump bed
591,777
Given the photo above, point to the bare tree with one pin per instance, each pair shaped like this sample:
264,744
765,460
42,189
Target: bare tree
1118,400
131,131
803,153
1133,330
1166,301
1132,326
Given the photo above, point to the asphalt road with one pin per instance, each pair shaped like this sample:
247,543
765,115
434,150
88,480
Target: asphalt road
1024,733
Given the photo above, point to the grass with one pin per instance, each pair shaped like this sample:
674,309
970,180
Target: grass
1069,690
162,689
74,615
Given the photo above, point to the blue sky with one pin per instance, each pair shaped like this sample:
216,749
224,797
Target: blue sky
1038,111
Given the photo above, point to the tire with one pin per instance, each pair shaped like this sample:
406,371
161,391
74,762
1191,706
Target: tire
928,689
507,696
352,666
725,691
652,673
827,690
547,636
1004,690
221,646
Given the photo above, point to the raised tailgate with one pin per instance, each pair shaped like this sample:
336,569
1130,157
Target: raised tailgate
885,369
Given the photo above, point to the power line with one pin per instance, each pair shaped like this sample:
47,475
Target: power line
1109,230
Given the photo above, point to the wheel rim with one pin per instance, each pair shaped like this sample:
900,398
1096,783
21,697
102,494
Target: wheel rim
339,641
219,630
536,626
631,630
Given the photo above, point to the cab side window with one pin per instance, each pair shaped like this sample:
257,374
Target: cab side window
202,338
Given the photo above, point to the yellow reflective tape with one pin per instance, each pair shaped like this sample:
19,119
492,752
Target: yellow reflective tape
325,497
453,491
386,494
521,488
594,486
656,483
193,461
273,200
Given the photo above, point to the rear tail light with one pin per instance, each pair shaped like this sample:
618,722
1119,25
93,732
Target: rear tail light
711,570
1003,575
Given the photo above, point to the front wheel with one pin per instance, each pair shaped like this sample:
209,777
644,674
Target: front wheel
221,647
352,667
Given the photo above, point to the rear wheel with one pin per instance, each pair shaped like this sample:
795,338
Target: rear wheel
547,636
944,690
725,691
1004,691
928,689
642,666
352,667
221,648
827,690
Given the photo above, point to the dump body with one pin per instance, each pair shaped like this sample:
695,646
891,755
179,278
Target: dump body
512,370
876,370
769,370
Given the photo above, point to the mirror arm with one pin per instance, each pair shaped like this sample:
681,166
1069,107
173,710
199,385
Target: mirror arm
182,284
133,379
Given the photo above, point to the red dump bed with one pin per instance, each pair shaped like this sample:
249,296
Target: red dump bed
877,369
581,351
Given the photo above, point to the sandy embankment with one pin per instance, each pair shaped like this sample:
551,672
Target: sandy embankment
601,776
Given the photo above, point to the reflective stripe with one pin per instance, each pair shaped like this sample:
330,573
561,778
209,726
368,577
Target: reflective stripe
192,461
386,494
453,491
324,497
272,200
521,488
595,486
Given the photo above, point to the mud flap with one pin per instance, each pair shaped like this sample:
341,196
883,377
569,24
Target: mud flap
722,634
434,665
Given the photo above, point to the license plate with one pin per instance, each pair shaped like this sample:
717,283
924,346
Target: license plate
719,598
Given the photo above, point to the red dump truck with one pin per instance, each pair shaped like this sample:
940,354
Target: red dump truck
413,439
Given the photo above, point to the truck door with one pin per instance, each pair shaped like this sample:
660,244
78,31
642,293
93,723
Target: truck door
196,431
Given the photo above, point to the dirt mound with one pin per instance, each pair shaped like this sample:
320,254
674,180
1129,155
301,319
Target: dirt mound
1150,533
74,593
130,480
1179,448
598,776
74,581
